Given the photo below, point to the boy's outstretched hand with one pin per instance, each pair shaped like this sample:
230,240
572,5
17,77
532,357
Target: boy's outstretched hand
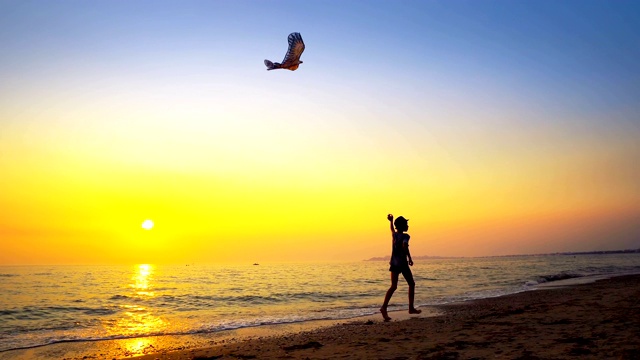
390,217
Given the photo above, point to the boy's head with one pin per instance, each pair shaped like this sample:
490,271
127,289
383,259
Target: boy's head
401,223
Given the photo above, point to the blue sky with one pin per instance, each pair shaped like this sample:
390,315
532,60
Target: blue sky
575,56
552,48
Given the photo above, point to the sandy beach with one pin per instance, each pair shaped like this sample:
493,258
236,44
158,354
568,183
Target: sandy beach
598,320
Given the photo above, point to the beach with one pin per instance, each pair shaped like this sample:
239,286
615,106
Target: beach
599,320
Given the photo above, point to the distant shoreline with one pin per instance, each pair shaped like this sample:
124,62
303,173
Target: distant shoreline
572,253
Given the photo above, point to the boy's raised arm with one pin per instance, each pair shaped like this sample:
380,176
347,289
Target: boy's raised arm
390,218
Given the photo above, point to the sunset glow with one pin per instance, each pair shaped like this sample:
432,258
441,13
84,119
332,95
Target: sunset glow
508,129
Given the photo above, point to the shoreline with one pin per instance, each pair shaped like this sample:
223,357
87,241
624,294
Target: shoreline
141,346
594,320
598,319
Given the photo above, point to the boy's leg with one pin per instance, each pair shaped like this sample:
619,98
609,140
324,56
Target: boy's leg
408,276
387,297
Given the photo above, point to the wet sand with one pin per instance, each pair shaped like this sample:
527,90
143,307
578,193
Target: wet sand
599,320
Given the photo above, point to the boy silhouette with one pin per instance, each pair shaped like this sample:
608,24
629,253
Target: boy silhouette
399,264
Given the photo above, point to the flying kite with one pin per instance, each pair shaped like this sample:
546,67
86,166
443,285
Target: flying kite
292,58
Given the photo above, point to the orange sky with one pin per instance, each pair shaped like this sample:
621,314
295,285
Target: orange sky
519,151
69,208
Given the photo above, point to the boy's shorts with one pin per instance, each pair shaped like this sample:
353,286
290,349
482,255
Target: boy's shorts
400,269
405,271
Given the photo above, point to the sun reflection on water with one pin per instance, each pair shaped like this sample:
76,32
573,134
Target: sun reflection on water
137,319
141,279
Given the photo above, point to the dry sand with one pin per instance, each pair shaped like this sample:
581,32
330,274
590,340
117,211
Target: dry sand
600,320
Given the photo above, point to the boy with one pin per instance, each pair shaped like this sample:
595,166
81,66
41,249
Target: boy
400,262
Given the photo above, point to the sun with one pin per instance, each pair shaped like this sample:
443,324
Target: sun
147,224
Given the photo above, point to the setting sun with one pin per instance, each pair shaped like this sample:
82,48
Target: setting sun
147,224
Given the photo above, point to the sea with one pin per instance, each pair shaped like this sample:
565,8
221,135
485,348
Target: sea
45,305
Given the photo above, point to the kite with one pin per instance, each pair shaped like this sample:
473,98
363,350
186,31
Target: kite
292,58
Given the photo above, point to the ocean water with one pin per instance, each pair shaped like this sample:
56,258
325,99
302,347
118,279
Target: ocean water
41,305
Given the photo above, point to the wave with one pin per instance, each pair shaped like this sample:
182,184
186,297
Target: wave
590,271
48,327
45,312
593,272
557,277
204,329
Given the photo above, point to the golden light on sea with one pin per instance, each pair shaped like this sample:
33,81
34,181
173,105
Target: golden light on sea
141,279
137,319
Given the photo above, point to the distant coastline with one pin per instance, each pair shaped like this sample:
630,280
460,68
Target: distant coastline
572,253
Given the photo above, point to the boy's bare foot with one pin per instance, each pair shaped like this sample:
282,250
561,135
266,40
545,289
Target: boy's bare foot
384,314
414,311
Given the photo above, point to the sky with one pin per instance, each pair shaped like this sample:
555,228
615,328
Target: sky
495,127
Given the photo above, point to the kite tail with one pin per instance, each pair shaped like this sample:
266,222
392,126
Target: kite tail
269,65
